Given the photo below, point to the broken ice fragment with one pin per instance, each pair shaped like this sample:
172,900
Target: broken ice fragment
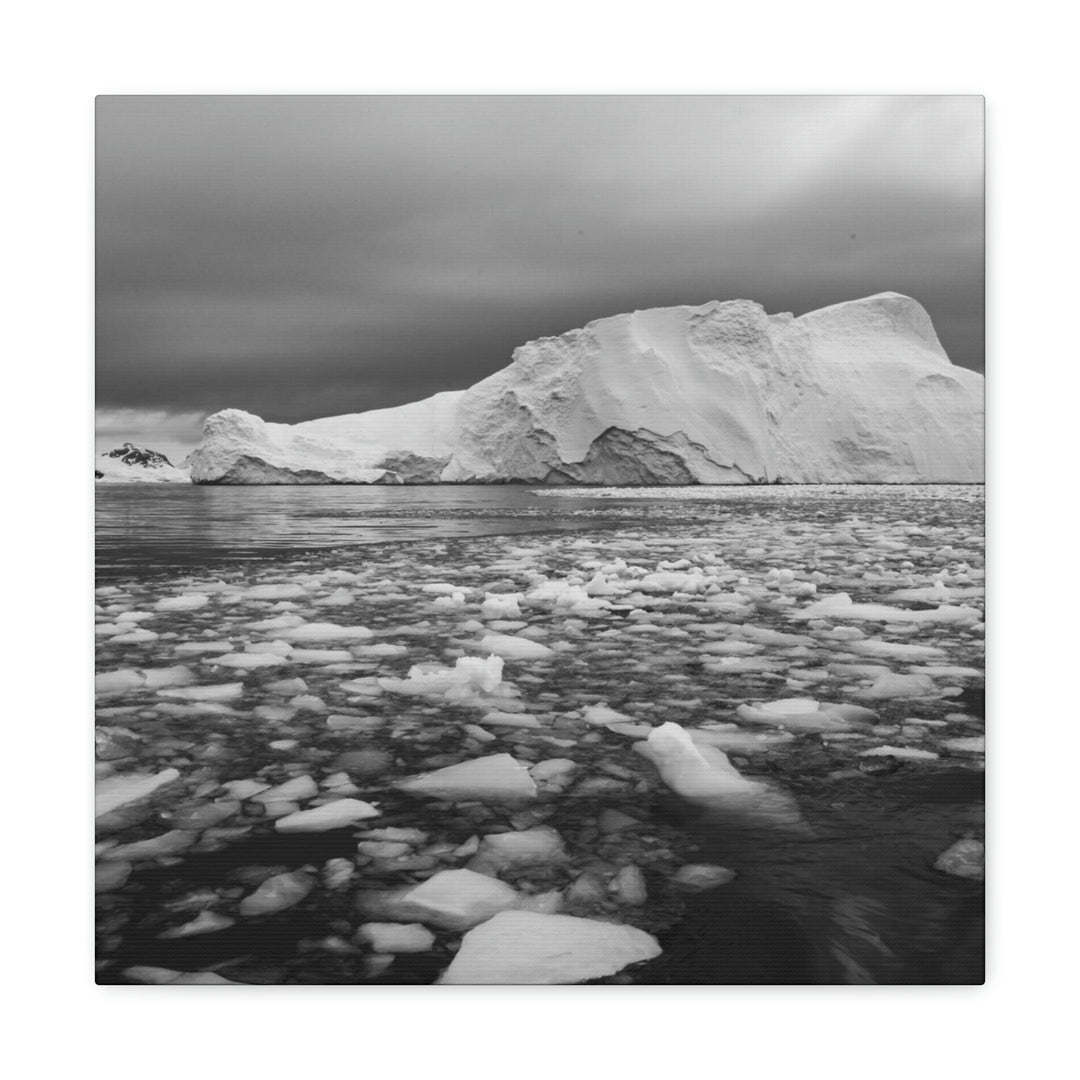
333,815
277,893
500,778
531,948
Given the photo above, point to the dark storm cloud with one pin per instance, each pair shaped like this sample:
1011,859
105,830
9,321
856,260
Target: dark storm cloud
300,257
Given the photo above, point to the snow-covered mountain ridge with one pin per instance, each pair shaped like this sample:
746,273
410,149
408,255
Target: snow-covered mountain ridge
131,464
860,392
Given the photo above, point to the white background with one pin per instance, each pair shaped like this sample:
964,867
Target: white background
57,57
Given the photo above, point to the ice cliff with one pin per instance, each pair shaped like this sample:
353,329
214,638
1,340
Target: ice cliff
718,394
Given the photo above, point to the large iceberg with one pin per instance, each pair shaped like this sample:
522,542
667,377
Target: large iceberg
718,394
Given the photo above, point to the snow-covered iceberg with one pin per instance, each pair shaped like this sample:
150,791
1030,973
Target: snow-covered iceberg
131,464
718,394
410,444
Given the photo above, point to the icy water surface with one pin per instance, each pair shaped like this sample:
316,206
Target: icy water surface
366,636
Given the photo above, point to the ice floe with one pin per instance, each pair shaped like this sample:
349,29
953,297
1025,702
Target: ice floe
499,778
529,948
333,815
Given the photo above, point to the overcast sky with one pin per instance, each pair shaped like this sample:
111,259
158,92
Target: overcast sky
309,256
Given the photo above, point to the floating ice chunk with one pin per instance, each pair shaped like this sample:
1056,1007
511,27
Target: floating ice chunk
696,773
280,648
732,648
896,650
804,714
539,846
119,682
600,586
455,601
158,976
673,582
120,790
251,660
944,671
337,873
739,665
499,778
628,886
731,738
219,692
186,602
762,635
274,592
966,858
277,893
338,598
469,676
552,768
206,922
633,731
320,656
527,947
294,790
938,593
381,649
567,597
396,937
169,843
515,648
703,775
909,752
459,899
333,815
135,637
288,686
601,715
443,588
279,622
496,718
109,876
840,606
245,789
309,702
383,849
325,632
976,744
501,606
697,877
198,647
858,671
891,685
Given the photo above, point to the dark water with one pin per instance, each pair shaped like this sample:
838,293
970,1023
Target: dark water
854,898
145,527
167,526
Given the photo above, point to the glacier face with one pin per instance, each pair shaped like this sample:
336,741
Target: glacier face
718,394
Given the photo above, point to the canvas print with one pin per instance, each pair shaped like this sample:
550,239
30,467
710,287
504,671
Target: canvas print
539,540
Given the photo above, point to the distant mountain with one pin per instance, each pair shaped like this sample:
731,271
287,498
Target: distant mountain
724,393
131,464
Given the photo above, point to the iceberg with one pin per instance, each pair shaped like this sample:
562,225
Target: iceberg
721,393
